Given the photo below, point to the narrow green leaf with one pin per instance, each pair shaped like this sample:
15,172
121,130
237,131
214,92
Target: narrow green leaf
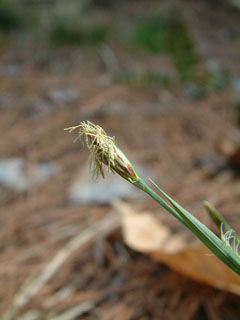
216,245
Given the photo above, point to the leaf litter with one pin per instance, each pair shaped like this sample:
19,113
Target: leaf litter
105,279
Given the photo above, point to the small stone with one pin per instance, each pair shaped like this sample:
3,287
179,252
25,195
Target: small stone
88,190
64,95
106,110
44,170
10,69
42,107
14,173
236,85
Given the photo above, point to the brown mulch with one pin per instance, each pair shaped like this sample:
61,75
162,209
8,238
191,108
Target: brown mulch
182,144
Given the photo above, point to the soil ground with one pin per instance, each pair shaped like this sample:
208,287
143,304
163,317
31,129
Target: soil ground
188,144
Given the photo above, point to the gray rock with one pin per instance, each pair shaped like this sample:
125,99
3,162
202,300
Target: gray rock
42,107
14,173
44,170
7,101
64,95
105,110
10,69
236,85
88,190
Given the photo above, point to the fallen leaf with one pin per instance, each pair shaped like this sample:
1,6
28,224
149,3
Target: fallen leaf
143,232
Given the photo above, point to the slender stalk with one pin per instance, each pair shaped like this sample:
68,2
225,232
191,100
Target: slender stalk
216,245
144,187
103,151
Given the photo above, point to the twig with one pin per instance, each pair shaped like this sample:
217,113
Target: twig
75,311
105,226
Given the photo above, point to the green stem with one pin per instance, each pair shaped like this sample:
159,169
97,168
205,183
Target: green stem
216,245
144,187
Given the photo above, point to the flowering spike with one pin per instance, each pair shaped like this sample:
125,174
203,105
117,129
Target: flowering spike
104,151
230,239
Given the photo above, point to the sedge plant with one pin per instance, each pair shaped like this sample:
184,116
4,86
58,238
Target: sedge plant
104,152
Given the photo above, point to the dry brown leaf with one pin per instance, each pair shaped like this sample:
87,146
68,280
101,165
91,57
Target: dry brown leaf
144,233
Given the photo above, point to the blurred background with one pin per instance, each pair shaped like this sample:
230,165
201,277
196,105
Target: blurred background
163,77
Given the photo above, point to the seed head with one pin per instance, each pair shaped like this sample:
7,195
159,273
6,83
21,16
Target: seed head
103,151
230,239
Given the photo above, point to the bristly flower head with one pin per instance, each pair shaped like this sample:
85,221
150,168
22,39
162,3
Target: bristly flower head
104,151
230,239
